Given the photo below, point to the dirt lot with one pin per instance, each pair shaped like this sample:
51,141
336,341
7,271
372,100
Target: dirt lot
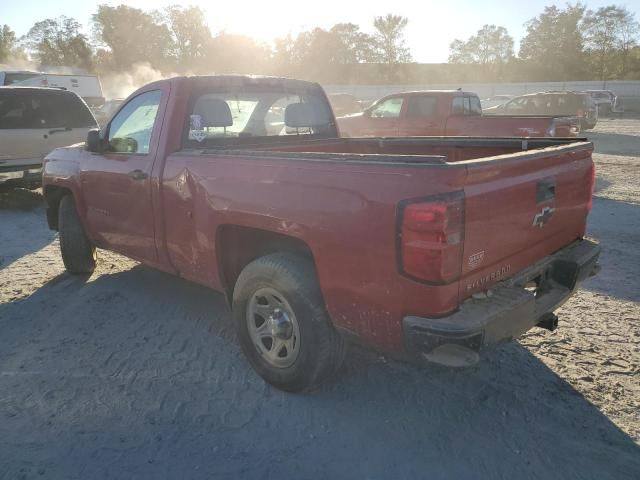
135,374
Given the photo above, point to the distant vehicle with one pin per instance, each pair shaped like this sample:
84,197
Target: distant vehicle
13,77
448,113
34,121
570,103
87,87
495,100
606,100
344,104
103,113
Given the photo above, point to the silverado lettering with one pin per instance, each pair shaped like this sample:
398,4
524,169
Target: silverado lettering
490,278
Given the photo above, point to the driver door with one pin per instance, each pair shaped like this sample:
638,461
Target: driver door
117,182
382,119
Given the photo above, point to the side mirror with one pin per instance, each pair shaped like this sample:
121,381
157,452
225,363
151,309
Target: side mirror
123,145
93,142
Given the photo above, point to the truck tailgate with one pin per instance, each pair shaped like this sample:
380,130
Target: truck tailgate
520,208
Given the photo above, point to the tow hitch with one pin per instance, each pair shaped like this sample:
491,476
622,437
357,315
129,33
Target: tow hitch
549,321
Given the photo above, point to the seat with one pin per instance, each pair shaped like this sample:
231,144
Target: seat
303,115
214,112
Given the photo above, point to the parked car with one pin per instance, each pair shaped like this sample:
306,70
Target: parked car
103,113
34,121
447,113
569,103
344,104
607,101
431,248
87,87
495,101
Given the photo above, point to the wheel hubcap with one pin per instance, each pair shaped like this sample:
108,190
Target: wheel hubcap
273,328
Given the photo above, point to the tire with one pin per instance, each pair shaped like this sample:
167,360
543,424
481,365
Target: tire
314,351
78,255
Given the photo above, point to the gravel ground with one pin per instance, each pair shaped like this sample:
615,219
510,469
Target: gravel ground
132,373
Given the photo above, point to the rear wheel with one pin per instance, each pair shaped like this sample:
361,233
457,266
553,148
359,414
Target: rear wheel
282,324
78,255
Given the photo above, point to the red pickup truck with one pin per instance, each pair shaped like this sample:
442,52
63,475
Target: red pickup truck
447,113
430,248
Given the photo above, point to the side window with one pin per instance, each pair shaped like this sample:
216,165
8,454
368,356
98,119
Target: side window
18,111
130,130
475,108
457,106
389,108
66,110
421,106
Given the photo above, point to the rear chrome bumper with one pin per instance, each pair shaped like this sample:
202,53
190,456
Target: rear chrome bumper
508,312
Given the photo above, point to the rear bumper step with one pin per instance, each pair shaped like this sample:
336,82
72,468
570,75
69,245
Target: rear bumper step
509,312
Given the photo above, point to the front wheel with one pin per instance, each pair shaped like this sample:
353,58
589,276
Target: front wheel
282,324
78,254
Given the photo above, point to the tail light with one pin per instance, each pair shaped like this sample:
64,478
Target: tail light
431,238
593,186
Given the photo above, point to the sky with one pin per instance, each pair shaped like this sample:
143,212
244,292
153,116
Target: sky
432,24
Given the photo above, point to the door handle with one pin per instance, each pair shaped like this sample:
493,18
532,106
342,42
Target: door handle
58,130
137,174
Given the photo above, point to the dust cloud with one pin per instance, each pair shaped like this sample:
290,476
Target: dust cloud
122,84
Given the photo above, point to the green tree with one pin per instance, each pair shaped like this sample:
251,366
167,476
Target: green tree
491,45
610,34
323,55
133,36
389,38
353,46
553,48
190,33
58,42
7,43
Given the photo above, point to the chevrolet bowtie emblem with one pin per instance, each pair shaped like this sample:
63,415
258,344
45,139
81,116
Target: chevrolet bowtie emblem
543,217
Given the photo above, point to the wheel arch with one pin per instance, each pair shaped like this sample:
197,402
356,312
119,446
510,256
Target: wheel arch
237,246
53,194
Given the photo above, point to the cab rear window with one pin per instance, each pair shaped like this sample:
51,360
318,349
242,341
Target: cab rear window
245,111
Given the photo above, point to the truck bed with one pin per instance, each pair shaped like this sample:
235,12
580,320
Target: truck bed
341,196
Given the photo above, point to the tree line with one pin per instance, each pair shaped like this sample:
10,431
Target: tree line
571,43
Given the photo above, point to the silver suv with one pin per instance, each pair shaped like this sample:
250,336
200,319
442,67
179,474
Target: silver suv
34,121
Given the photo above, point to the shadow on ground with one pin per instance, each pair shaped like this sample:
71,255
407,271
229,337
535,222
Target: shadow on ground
137,375
610,143
22,216
19,198
616,225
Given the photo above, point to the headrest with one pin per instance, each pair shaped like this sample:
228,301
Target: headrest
214,112
303,115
